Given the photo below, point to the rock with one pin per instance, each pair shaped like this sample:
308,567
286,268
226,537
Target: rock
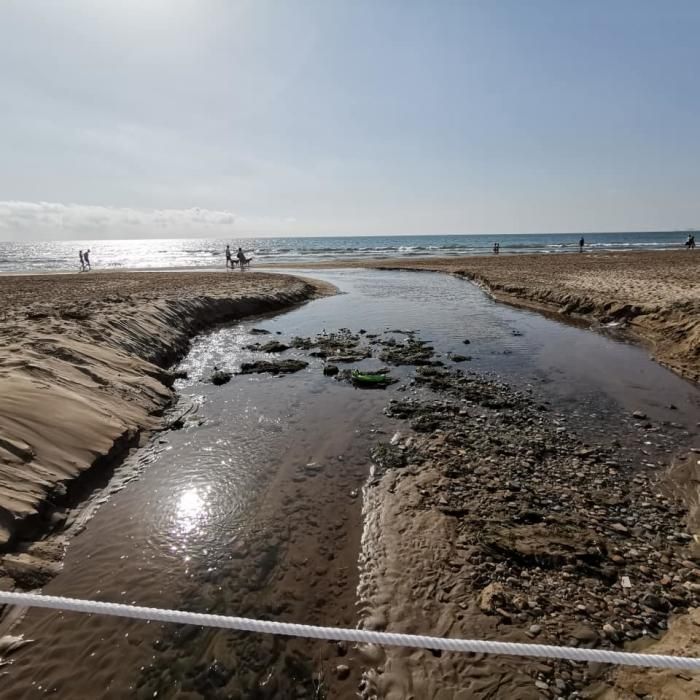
388,457
609,631
535,629
541,685
349,357
492,597
640,415
413,352
277,367
460,358
220,377
585,634
619,527
655,603
274,346
259,331
216,676
28,571
342,672
466,341
330,370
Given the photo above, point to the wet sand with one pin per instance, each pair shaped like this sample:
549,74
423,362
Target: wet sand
498,494
81,372
655,296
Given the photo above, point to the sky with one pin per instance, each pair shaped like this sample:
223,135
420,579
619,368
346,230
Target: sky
218,118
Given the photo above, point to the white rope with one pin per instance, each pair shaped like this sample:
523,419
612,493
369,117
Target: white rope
347,635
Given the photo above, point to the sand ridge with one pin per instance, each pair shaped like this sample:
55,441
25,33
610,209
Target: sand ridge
81,367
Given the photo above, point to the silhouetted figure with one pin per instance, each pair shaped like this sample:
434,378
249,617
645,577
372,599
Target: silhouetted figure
496,248
581,243
229,262
82,261
690,243
243,261
86,256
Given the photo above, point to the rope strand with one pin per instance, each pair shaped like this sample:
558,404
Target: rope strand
348,635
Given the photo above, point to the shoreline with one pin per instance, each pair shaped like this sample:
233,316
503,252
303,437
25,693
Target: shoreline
654,297
83,373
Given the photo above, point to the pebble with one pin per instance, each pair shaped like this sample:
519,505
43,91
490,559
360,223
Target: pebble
342,671
565,520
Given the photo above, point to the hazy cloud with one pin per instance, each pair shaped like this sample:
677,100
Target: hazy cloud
37,219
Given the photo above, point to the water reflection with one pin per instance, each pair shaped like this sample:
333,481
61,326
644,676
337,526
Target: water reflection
191,511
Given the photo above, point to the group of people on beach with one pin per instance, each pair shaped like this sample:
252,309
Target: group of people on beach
84,257
243,262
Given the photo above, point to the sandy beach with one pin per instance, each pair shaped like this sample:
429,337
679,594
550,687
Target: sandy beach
517,521
655,296
82,361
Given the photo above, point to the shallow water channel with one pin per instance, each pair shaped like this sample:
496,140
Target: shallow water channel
254,506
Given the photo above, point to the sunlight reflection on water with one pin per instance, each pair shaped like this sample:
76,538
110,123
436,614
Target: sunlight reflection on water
191,511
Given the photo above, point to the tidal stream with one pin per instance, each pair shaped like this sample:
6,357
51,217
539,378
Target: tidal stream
254,506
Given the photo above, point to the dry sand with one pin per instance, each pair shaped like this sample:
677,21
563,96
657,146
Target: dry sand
81,368
655,295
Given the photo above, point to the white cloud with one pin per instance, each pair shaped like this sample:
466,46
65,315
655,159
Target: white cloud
56,220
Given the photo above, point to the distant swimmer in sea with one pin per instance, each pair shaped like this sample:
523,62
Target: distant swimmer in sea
496,248
86,256
242,259
229,262
581,243
690,243
82,261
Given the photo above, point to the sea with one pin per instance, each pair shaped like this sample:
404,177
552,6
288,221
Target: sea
183,253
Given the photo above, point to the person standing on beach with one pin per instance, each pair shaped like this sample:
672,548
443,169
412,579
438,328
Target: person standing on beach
496,248
690,243
82,261
242,258
86,255
581,243
229,263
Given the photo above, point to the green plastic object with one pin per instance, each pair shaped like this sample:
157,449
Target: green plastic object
360,378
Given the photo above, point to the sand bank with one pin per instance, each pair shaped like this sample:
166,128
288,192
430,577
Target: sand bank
655,295
82,361
515,529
